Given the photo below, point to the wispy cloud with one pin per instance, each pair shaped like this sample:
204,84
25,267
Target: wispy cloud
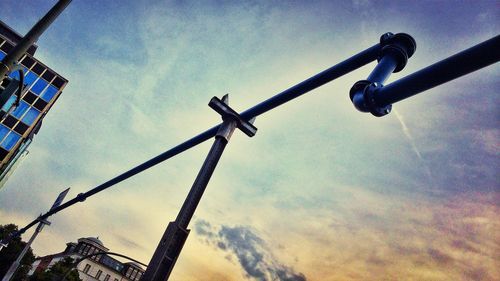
413,145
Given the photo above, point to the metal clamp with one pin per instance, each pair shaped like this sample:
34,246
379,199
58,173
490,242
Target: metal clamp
362,96
231,119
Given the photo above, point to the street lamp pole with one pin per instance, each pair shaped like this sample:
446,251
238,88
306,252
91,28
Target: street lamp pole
13,268
175,235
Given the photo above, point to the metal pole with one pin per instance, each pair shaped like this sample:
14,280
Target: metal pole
42,221
175,235
13,267
472,59
305,86
9,61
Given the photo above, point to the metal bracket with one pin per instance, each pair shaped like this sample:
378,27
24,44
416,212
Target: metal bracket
362,96
230,116
44,221
396,49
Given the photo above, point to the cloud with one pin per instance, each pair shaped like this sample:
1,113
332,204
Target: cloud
252,252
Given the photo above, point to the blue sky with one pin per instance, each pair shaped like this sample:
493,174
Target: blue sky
322,192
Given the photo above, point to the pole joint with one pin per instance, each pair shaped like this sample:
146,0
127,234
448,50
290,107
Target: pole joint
231,119
394,54
43,221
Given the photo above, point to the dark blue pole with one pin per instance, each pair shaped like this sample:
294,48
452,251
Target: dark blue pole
460,64
318,80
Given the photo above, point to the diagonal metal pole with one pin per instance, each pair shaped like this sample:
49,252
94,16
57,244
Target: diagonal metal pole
15,265
287,95
9,61
175,235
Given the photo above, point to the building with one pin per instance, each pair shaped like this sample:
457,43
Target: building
43,86
102,267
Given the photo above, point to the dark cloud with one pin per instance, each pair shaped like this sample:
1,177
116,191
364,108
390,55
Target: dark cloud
250,250
127,242
203,228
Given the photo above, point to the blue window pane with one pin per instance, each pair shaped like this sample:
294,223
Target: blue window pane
29,78
20,109
3,131
14,74
9,103
30,116
39,86
2,55
10,141
49,93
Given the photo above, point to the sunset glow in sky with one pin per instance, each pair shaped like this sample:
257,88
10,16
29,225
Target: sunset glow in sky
322,192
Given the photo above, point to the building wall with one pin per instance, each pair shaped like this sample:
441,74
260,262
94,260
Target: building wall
98,267
93,269
43,87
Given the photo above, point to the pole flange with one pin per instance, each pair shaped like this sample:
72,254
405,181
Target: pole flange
400,45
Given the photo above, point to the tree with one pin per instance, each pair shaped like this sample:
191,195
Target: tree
9,254
57,271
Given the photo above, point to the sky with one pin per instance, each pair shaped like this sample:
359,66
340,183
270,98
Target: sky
322,192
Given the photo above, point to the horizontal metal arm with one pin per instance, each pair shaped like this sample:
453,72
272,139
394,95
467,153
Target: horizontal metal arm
460,64
319,79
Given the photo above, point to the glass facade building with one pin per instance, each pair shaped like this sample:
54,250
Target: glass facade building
43,86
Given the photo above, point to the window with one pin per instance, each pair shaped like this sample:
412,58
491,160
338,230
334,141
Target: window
30,116
39,86
29,78
129,272
38,68
20,109
10,141
87,268
86,250
14,74
27,61
9,103
49,93
107,277
98,275
3,132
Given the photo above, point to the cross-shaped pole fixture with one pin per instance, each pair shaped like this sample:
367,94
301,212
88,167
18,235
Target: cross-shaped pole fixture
175,235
